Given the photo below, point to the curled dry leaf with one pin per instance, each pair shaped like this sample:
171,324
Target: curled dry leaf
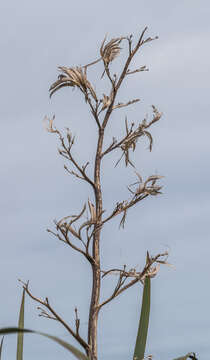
132,135
73,77
111,50
145,188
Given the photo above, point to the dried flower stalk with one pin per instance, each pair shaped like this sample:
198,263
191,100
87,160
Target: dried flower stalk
82,232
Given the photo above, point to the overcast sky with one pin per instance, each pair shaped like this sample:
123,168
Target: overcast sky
36,37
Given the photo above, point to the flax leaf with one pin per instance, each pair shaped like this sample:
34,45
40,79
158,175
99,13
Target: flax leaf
19,354
143,323
77,353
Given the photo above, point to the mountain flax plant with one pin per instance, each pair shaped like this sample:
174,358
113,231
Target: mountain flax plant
84,236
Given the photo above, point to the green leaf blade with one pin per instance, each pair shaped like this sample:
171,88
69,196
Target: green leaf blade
144,322
77,353
19,354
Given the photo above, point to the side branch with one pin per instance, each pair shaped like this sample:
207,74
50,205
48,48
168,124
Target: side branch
65,238
137,276
140,42
144,189
114,145
66,231
57,317
66,151
129,141
108,53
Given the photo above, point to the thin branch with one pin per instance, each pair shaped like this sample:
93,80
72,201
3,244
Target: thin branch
92,63
66,152
131,55
123,207
105,273
144,189
123,74
45,314
142,68
120,105
67,241
46,303
72,172
147,271
94,111
78,249
70,157
114,145
129,141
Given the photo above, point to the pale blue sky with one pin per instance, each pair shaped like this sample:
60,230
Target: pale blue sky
38,36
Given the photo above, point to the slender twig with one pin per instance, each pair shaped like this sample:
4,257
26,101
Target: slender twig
70,157
105,273
142,68
46,303
125,208
67,241
94,112
92,63
123,74
45,314
115,145
119,288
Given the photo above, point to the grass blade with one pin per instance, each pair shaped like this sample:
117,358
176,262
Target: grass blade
143,323
1,345
19,355
79,355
